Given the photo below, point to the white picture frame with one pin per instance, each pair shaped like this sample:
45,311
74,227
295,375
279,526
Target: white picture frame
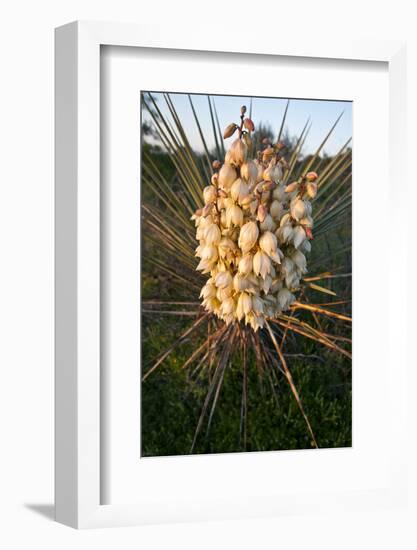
78,405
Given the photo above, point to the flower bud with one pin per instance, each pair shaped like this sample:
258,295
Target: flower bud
311,176
249,125
311,189
215,179
229,130
243,110
216,164
248,236
291,187
262,213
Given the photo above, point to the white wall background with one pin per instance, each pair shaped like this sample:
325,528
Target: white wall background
26,269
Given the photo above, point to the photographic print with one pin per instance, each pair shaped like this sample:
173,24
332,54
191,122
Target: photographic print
246,253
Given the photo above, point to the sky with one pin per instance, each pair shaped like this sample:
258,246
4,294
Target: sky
322,114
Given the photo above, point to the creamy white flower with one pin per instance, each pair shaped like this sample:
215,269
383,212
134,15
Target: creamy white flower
285,298
249,171
299,236
298,209
212,234
245,264
227,176
208,291
276,209
248,236
268,224
238,152
224,279
257,304
261,264
285,233
228,306
234,216
239,190
279,193
223,293
209,252
245,303
300,261
240,283
209,194
268,243
226,246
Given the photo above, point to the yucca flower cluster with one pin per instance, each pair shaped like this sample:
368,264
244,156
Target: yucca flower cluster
253,231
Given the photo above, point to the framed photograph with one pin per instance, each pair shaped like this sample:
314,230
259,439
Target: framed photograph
222,349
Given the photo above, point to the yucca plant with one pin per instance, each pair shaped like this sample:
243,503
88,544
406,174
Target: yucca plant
241,282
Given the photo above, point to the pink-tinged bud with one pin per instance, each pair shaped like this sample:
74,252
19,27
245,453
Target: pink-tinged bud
229,130
262,212
207,209
249,125
291,187
216,164
243,110
267,154
311,176
215,179
311,189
